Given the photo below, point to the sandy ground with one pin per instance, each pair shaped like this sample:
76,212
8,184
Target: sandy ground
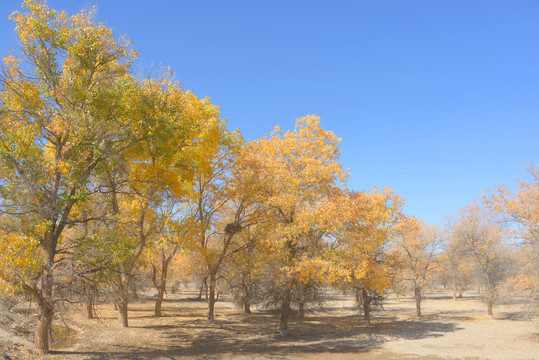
449,329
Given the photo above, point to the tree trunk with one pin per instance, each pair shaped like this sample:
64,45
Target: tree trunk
43,324
301,310
285,314
246,307
366,307
90,308
211,297
200,290
122,314
134,292
44,297
358,298
454,288
91,294
417,295
489,310
246,286
122,300
161,288
159,302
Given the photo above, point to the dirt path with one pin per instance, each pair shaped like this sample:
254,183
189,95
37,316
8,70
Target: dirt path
448,330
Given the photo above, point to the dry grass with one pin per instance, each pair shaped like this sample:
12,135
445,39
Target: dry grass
449,329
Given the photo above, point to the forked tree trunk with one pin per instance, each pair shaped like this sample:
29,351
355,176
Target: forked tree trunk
203,289
417,295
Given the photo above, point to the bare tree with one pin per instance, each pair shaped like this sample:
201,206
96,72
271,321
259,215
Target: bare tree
417,245
481,237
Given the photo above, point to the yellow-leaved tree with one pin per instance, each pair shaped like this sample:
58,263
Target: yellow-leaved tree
292,174
180,131
220,209
66,107
365,233
74,124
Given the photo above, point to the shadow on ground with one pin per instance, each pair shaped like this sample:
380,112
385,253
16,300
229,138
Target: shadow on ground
255,336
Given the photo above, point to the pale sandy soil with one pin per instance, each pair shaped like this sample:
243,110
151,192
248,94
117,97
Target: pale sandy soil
449,329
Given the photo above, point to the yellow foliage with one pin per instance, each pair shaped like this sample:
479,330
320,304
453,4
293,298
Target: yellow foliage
20,261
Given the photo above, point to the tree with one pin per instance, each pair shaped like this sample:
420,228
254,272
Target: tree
417,246
180,130
291,174
71,115
521,210
482,237
64,112
365,233
455,264
243,272
173,236
219,209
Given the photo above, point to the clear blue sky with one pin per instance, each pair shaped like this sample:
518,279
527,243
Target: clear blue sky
438,100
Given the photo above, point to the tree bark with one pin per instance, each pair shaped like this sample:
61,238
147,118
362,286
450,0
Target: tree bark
489,310
247,294
211,297
159,302
417,295
89,309
44,297
366,307
301,310
90,301
285,314
161,288
122,300
123,320
44,320
200,290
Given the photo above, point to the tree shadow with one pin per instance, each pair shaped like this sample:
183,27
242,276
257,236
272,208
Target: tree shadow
256,335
